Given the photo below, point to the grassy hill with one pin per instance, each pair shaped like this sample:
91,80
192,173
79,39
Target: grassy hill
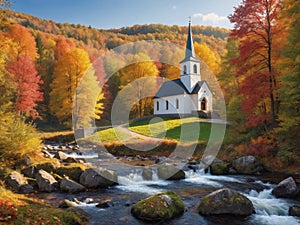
181,130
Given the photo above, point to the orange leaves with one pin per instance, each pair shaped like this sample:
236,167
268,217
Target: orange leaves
24,40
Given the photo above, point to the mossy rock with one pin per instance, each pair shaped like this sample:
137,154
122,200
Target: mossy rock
72,171
163,206
48,166
225,202
219,168
170,172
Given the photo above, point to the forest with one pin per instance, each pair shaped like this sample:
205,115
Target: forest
256,64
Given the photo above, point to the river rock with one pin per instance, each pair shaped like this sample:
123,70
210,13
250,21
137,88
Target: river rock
30,171
219,168
17,182
48,166
147,173
162,206
170,172
286,189
46,181
226,202
61,155
67,185
294,210
72,171
247,165
98,177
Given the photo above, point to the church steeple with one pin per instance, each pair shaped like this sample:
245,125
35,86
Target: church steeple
190,65
189,50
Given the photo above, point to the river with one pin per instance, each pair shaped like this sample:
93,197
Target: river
132,188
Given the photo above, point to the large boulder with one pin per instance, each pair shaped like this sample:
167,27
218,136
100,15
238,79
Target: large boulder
48,166
170,172
247,165
294,210
46,181
147,173
226,202
286,189
17,182
219,168
67,185
72,171
98,177
162,206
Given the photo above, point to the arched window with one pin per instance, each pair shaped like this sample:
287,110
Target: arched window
203,104
167,105
195,68
184,69
157,105
177,104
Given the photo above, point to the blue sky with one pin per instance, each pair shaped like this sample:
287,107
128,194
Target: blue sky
104,14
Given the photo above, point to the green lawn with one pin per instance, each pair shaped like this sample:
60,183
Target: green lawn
184,130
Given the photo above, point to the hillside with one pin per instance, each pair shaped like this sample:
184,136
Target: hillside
108,39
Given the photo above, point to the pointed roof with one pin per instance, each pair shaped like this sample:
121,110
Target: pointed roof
189,49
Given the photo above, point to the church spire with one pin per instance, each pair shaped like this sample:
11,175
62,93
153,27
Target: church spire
189,50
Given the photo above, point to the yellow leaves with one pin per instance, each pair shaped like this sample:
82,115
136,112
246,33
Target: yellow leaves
67,73
208,56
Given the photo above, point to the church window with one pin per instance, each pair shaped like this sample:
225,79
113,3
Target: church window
184,69
157,105
195,68
177,104
167,105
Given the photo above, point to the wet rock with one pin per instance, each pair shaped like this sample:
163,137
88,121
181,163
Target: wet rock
66,204
70,160
103,205
286,189
226,202
46,181
294,210
72,171
209,159
232,171
46,154
67,185
17,182
162,206
98,177
147,173
170,172
247,165
219,168
61,155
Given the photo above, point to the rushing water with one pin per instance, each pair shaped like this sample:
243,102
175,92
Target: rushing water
132,188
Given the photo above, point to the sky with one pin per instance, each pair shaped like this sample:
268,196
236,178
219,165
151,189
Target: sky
106,14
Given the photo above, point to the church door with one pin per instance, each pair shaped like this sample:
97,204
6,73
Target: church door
203,104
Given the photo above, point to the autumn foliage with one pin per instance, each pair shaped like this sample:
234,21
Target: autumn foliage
28,92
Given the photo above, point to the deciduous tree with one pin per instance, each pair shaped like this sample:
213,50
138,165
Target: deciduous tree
256,27
28,90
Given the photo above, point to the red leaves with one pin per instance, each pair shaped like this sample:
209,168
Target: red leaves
256,28
28,80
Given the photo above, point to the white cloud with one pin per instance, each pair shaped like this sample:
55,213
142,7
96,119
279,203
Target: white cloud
174,7
210,17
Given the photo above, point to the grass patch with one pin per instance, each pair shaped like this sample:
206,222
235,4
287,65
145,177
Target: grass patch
19,209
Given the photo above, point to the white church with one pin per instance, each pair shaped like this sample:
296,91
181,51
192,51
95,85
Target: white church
189,95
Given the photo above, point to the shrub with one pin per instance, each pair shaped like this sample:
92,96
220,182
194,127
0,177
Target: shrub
17,138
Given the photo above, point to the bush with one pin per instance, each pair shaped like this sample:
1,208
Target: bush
17,139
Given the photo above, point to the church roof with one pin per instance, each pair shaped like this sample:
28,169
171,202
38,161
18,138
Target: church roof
189,49
176,87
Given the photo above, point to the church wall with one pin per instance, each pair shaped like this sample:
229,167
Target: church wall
186,105
205,92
